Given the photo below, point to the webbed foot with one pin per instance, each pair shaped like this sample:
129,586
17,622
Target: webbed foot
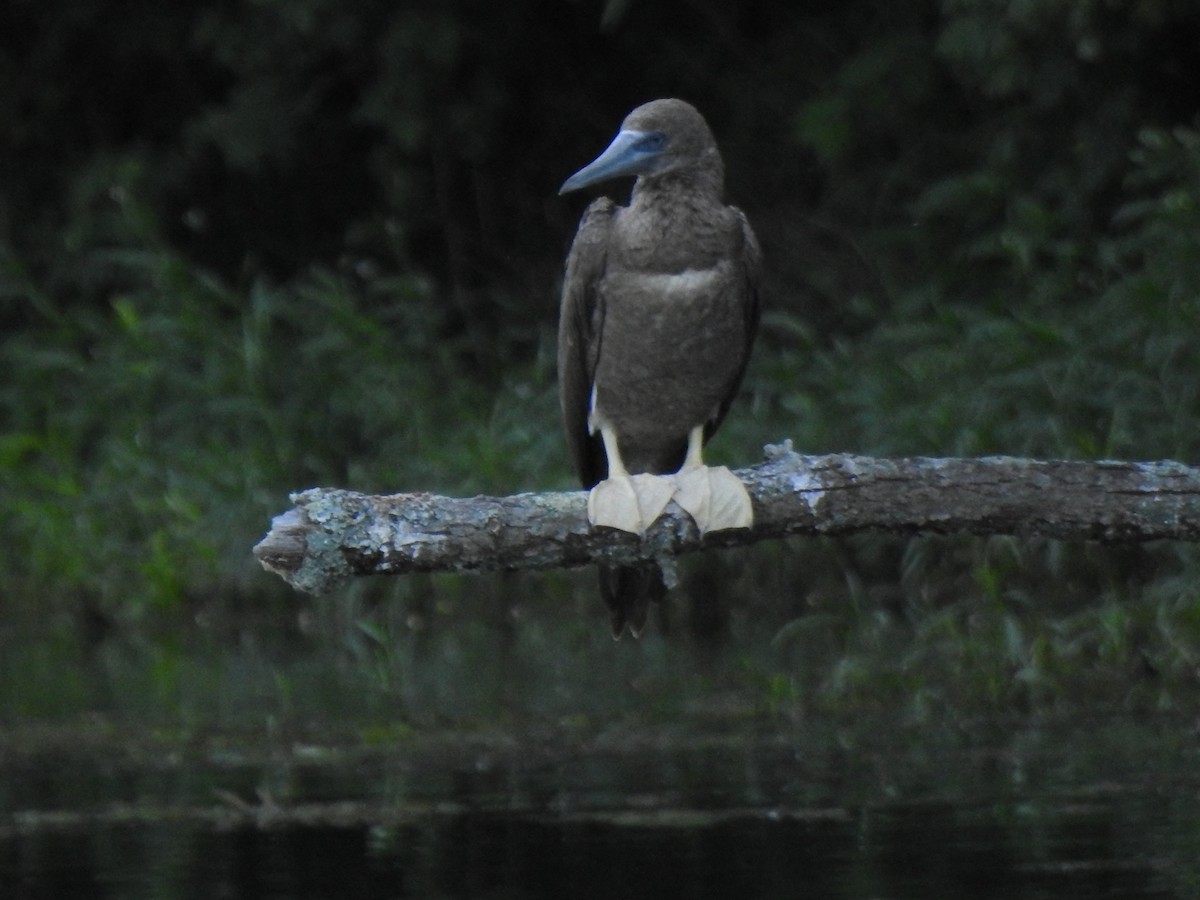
714,497
629,502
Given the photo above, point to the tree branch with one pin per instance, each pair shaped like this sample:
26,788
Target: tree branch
333,534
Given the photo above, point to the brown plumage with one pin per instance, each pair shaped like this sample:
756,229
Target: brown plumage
659,312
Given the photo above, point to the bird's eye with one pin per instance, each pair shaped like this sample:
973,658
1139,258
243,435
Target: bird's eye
652,142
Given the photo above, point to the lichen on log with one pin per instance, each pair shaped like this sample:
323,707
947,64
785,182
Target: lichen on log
332,534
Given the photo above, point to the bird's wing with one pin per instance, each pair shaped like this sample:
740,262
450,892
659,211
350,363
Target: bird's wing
751,264
579,327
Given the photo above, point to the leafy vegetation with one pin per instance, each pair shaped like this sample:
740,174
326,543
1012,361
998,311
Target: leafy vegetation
315,243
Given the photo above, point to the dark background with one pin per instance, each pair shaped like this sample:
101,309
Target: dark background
247,248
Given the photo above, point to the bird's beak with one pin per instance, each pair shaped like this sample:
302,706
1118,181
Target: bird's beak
624,156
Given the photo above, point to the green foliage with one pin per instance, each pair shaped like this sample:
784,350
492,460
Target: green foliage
151,439
1088,358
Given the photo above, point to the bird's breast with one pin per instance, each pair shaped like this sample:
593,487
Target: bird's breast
671,348
680,284
642,288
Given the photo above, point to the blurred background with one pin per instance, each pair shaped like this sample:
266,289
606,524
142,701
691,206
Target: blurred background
253,247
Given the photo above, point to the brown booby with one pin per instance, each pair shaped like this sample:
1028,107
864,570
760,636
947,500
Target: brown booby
659,312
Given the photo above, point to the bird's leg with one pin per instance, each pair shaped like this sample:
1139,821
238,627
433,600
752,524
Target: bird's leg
713,496
695,449
628,502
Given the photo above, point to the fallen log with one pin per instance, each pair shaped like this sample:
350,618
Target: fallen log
331,534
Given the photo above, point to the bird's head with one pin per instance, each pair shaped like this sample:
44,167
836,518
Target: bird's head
656,139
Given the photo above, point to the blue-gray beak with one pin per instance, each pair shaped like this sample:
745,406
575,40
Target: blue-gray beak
630,153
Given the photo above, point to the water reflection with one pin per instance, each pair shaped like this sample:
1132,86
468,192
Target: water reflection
1114,847
1105,842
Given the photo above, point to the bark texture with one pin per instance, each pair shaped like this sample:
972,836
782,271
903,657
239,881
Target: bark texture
331,534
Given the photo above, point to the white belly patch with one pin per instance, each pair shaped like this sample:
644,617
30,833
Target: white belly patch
686,281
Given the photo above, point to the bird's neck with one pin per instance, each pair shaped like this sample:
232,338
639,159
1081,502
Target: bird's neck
703,182
674,198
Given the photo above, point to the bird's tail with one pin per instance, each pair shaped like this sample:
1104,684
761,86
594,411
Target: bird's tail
628,592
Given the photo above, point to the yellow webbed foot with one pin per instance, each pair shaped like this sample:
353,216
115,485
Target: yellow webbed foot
629,502
714,497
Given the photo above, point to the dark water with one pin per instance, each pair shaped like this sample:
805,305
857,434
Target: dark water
723,821
1109,848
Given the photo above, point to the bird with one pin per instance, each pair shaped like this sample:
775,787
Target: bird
659,311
